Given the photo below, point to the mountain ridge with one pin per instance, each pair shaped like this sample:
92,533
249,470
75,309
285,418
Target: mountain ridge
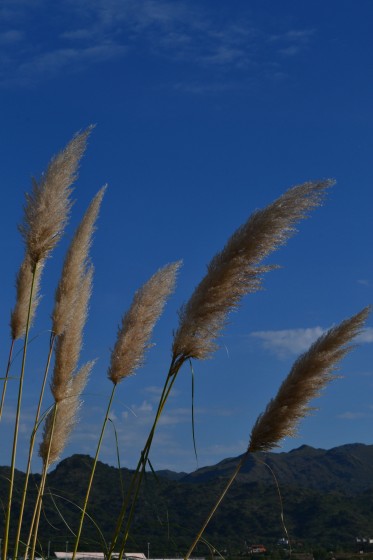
327,500
306,466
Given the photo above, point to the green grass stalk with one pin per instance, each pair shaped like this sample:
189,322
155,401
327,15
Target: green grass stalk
217,504
140,469
39,500
17,421
89,487
32,445
6,378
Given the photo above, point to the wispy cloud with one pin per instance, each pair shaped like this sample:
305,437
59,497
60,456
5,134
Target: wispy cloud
78,33
298,35
200,88
231,450
182,415
176,416
155,392
143,413
132,425
53,62
9,414
348,415
296,341
290,51
11,37
292,42
365,336
366,373
132,429
288,341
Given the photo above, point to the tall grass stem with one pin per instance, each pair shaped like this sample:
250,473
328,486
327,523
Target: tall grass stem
32,445
89,487
138,475
6,378
17,421
217,504
39,500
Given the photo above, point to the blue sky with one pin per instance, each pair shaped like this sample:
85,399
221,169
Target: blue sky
205,110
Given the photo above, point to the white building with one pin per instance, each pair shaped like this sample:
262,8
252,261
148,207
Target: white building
98,555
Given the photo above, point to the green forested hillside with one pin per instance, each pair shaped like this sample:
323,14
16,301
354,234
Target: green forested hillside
327,499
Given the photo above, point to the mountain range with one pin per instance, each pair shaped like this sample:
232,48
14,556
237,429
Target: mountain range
326,496
348,468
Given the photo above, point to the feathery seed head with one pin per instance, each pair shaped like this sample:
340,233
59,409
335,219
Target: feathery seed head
75,266
235,271
69,343
311,372
56,432
18,318
48,206
138,323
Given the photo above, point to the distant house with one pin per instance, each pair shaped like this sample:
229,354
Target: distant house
257,549
98,555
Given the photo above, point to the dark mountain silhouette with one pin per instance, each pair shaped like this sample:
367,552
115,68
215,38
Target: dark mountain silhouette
327,497
348,468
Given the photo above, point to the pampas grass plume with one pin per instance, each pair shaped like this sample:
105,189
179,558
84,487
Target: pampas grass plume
75,266
311,372
48,206
18,317
69,344
138,323
66,418
235,271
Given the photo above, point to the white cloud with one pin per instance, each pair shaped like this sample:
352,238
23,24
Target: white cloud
225,54
10,37
90,31
143,410
290,51
155,392
348,415
364,282
299,35
289,341
291,43
112,416
296,341
181,415
51,62
15,10
59,59
176,416
206,88
9,414
144,407
365,336
77,34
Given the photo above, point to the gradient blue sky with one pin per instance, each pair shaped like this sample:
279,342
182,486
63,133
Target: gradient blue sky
205,111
